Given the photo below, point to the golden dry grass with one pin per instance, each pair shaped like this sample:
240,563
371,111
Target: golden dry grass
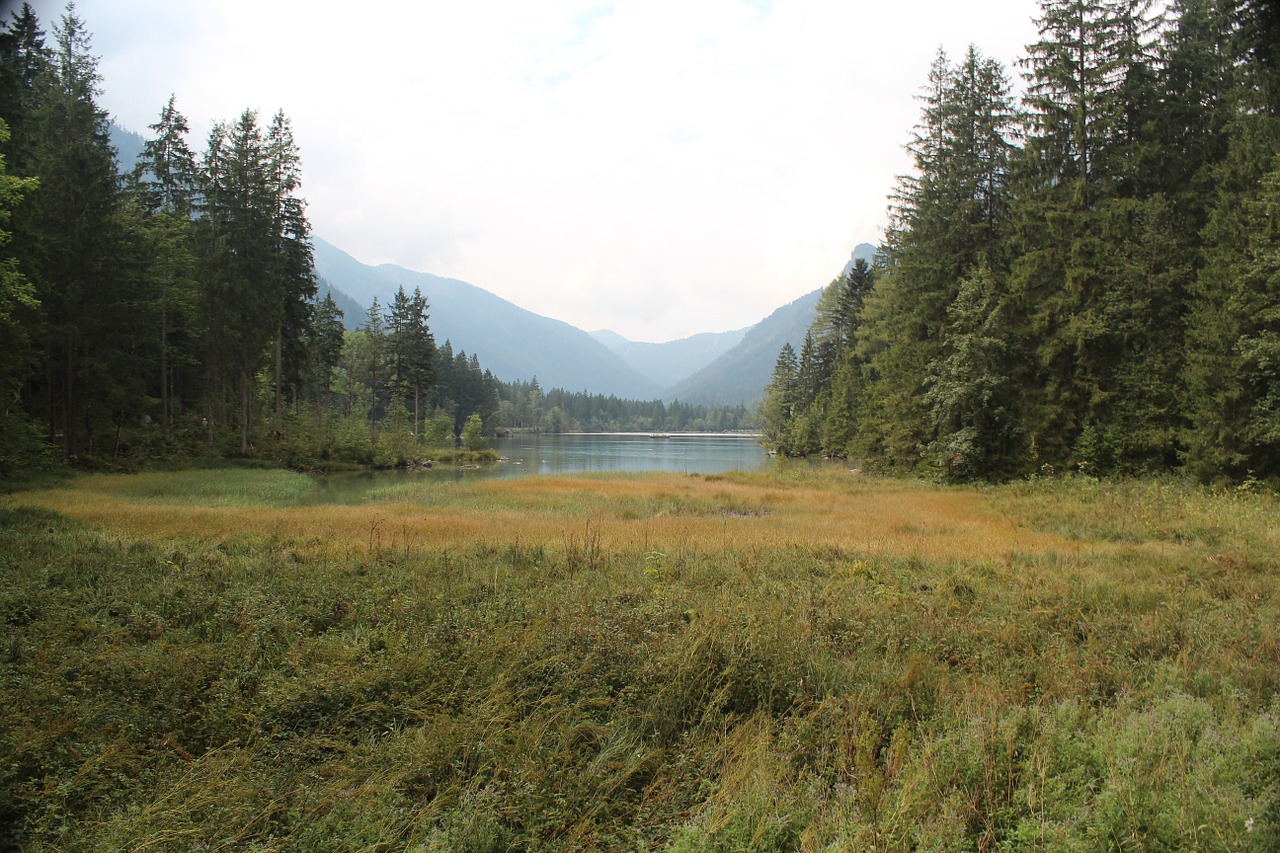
797,660
618,512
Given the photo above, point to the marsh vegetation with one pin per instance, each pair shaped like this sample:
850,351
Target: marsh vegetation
800,660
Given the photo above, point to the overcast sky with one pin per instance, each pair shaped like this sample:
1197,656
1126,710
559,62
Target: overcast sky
656,168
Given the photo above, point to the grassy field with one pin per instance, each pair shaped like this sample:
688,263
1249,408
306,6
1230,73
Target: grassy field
804,660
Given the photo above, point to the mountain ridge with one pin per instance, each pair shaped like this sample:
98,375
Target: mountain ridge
710,368
741,374
512,342
670,362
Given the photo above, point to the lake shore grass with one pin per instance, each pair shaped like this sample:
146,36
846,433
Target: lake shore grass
801,660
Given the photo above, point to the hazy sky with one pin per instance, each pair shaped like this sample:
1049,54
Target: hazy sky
656,168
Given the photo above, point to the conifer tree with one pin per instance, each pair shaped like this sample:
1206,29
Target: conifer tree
294,264
24,59
69,242
777,407
324,347
971,393
165,182
947,219
375,332
18,307
413,350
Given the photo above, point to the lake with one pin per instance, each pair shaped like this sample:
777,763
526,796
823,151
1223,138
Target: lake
531,455
690,453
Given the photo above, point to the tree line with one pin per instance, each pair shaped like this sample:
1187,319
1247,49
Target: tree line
182,295
172,310
524,405
1085,278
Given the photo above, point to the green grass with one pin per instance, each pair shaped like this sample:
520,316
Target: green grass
207,487
1097,681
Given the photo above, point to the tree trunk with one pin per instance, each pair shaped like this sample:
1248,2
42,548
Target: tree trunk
278,426
164,360
244,413
69,400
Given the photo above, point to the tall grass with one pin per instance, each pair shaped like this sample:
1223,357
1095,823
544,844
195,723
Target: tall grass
641,663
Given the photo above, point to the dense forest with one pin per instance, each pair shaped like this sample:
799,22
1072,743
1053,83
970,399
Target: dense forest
1084,278
172,311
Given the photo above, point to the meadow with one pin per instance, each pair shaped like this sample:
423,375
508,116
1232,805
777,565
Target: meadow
800,660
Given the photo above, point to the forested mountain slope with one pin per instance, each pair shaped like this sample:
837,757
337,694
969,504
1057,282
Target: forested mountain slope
515,344
740,375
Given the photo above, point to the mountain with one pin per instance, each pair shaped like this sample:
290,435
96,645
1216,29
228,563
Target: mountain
515,344
128,146
862,251
740,375
670,362
353,314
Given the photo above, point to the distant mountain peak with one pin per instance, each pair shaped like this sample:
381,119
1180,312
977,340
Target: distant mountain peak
861,252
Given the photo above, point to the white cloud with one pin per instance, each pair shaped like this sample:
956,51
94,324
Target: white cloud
659,168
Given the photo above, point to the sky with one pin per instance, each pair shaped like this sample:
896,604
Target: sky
654,167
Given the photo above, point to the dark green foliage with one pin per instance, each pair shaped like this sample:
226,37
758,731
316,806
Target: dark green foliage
778,407
1234,370
971,394
1100,298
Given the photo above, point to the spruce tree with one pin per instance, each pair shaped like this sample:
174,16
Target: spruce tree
68,241
777,407
164,180
947,219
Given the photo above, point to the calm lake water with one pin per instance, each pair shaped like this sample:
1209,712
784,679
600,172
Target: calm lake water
690,453
530,455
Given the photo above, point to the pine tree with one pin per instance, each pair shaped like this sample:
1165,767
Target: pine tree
324,346
947,219
971,394
293,269
375,331
777,407
18,307
165,182
24,60
413,350
1234,365
69,240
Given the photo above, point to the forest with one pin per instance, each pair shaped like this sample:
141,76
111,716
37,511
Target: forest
1082,278
171,312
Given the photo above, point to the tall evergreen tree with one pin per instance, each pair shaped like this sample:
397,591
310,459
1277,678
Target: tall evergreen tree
375,331
165,182
241,305
69,243
18,307
778,404
947,219
294,267
413,350
24,60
